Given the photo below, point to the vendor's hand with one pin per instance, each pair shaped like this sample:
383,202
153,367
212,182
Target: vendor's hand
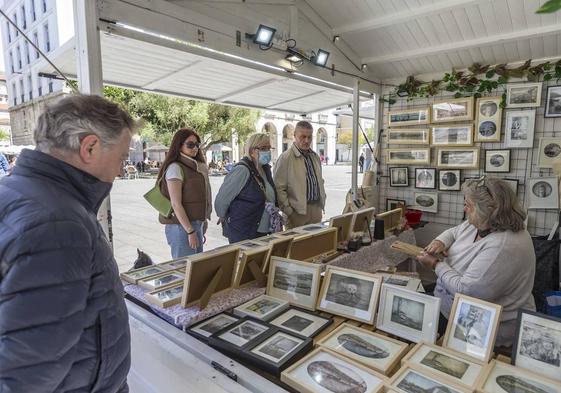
205,226
193,240
427,260
220,221
436,247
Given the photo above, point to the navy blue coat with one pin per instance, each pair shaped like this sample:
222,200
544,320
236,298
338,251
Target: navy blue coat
63,321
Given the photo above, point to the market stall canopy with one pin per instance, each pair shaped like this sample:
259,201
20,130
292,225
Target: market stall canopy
158,147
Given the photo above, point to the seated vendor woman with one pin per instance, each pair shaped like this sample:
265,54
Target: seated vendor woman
490,256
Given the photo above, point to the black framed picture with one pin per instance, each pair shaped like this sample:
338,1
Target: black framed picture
449,180
553,102
204,329
497,161
513,184
425,178
394,203
399,177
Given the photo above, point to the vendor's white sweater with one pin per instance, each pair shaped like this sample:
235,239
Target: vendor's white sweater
499,268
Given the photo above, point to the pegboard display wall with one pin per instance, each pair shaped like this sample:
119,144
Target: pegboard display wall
523,166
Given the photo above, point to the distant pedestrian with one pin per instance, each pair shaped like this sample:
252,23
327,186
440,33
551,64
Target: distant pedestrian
361,162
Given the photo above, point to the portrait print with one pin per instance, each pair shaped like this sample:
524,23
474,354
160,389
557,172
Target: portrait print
408,312
350,291
473,325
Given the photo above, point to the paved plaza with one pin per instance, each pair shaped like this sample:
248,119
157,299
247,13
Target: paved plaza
135,222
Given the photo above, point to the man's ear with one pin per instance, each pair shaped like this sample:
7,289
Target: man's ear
89,146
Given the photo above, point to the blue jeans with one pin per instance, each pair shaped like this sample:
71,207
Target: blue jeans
178,239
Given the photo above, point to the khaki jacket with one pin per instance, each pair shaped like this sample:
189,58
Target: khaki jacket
290,181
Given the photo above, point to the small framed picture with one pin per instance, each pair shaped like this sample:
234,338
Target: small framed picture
488,119
411,283
425,178
132,276
513,184
278,350
242,332
373,350
426,201
456,109
165,297
537,344
408,136
549,152
449,180
408,117
497,161
399,176
523,95
392,204
408,156
499,377
452,135
472,327
544,193
161,280
324,370
175,264
209,326
262,307
301,322
411,379
408,314
350,293
519,129
458,158
251,266
553,102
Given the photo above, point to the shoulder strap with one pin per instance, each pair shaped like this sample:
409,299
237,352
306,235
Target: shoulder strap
253,173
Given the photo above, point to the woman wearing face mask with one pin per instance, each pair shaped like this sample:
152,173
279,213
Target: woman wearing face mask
246,201
187,187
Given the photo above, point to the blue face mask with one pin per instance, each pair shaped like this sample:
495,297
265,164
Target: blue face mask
264,157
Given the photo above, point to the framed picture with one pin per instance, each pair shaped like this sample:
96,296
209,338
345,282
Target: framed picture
549,152
497,161
523,95
425,178
262,307
242,332
408,314
449,180
472,327
408,156
553,102
161,280
278,350
408,136
301,322
499,377
361,221
248,245
519,129
399,176
460,135
165,297
132,276
392,204
350,293
343,224
209,326
458,158
543,193
445,363
537,344
175,264
408,117
309,246
411,283
513,184
280,247
295,281
488,119
391,218
375,351
251,265
326,371
457,109
411,379
426,201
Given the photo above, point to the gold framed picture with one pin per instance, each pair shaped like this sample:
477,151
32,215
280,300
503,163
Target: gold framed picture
408,117
251,265
499,377
458,158
314,244
450,110
411,379
343,224
408,136
132,276
455,135
165,279
408,156
488,119
165,297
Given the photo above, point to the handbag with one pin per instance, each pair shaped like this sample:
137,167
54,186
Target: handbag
158,201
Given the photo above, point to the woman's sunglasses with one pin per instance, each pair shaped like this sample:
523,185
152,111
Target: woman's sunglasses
192,145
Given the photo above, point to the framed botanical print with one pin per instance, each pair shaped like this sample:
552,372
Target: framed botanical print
426,201
262,307
458,135
472,327
523,95
412,379
399,176
408,136
408,156
488,119
537,344
553,102
301,322
499,377
392,204
408,117
456,109
449,180
425,178
519,128
497,161
543,193
461,158
549,152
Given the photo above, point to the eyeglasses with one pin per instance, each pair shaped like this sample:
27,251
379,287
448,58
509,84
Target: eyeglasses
264,148
192,145
482,183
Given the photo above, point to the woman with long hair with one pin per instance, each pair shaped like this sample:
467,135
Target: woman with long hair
186,185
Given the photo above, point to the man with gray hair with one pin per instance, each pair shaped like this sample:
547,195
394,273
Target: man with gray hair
63,321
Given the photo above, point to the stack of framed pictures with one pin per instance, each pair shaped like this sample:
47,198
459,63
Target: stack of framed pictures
499,377
262,307
154,283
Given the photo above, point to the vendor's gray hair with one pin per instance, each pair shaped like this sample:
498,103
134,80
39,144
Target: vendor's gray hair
64,124
257,140
495,203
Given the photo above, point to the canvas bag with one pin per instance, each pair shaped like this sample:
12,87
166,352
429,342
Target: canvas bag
158,200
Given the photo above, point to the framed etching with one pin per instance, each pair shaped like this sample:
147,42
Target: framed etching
159,281
543,193
519,129
408,136
408,117
488,119
165,297
497,161
206,328
460,135
426,201
392,204
549,152
373,350
399,176
553,102
499,377
456,109
242,332
350,293
301,322
458,158
294,281
343,224
472,327
411,379
326,371
537,344
425,178
408,156
449,180
262,307
408,314
251,266
523,95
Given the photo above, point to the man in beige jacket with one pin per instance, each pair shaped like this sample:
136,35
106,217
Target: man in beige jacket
298,180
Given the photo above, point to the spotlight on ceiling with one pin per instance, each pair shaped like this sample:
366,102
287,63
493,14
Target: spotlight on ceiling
264,35
336,38
320,58
402,93
294,58
364,67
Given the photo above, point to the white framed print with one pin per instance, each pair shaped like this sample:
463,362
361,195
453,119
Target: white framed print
301,322
553,102
408,314
457,157
523,95
497,161
399,176
499,377
488,119
425,178
519,128
543,193
449,180
262,307
456,135
426,201
549,152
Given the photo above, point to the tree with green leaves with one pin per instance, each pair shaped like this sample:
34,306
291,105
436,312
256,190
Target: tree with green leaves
4,135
